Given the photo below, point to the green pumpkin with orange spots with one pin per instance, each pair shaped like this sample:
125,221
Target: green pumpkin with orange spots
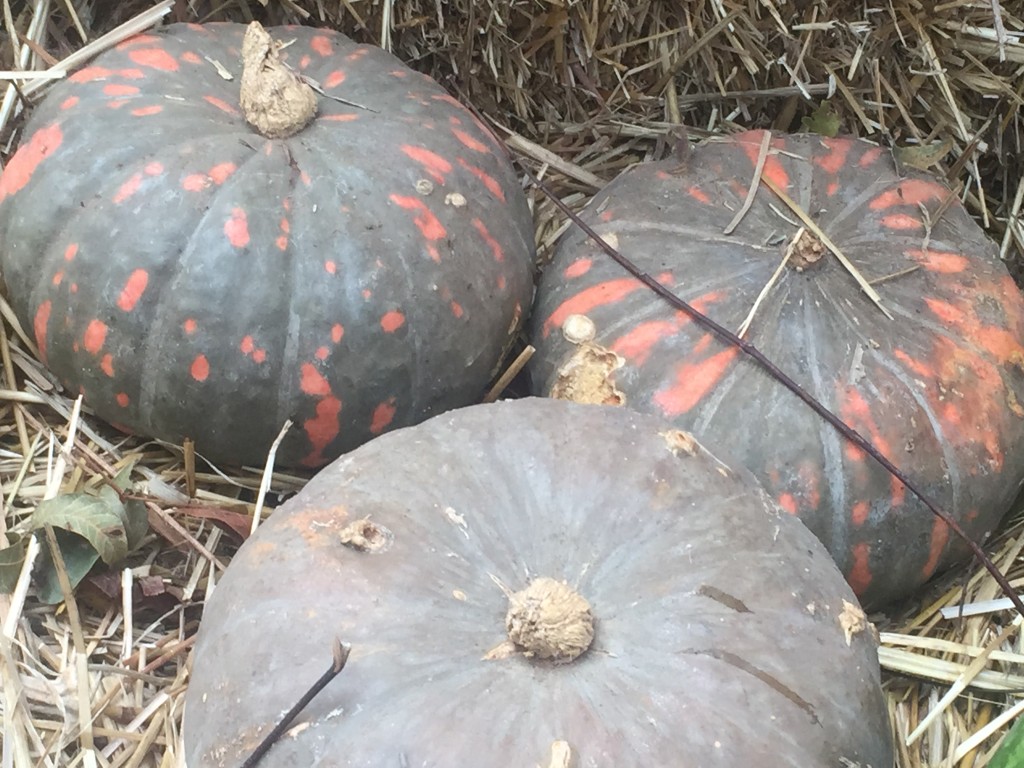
194,279
932,375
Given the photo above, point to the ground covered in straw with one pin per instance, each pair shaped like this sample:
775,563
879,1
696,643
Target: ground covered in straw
579,89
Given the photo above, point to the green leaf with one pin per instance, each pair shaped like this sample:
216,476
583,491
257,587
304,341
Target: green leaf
79,558
823,120
1011,751
12,557
100,520
136,518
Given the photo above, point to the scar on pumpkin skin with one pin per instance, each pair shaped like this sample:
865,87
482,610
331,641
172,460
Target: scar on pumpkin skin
587,377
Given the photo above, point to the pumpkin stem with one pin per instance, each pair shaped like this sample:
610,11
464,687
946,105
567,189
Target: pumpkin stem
550,620
275,100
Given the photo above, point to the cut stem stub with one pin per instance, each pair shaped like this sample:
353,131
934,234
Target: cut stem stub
550,620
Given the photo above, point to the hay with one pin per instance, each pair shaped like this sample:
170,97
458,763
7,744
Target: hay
579,90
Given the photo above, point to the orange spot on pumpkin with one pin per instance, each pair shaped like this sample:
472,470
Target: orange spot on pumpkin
195,182
70,252
494,245
128,189
221,172
58,277
392,321
788,503
282,243
456,309
330,267
312,382
220,104
578,268
259,355
337,332
133,289
39,326
29,156
107,365
344,117
944,311
427,223
322,353
939,261
154,58
859,513
636,345
909,192
921,369
142,39
322,44
69,102
189,326
488,181
322,429
156,109
285,226
119,89
939,539
699,195
856,412
122,399
595,297
336,78
469,141
692,382
191,58
200,369
901,221
835,160
832,188
432,163
88,74
247,345
154,168
773,170
305,61
870,157
382,416
95,335
237,228
859,577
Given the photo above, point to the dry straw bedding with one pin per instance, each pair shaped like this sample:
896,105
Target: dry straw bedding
580,90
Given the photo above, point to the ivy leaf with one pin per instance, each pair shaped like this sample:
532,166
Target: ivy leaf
1011,752
79,558
823,121
136,518
11,559
97,519
88,528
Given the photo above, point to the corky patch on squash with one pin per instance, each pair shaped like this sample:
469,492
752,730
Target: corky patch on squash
586,377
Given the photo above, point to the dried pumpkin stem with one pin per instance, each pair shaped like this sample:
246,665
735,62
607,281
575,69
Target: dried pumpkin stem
550,620
275,100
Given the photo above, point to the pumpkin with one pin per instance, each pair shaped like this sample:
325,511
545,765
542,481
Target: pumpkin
527,574
194,278
934,378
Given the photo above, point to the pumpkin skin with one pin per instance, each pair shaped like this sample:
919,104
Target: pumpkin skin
194,279
938,389
718,638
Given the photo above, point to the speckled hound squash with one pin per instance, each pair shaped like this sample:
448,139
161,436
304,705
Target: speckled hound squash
939,389
194,279
722,634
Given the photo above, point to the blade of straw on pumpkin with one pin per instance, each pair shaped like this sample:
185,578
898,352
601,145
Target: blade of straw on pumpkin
742,332
762,156
827,242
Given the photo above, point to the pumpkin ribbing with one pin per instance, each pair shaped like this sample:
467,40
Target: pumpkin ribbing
719,623
195,279
937,389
